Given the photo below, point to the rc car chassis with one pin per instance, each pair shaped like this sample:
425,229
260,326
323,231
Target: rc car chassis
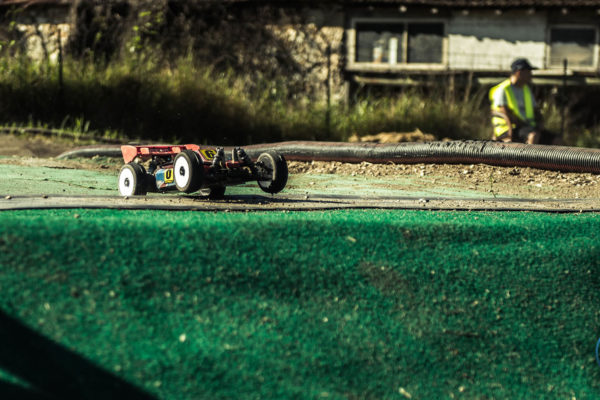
190,168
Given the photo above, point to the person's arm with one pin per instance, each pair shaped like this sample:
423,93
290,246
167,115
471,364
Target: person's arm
501,112
508,112
500,104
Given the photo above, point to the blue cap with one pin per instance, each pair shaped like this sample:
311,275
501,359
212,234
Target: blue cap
520,64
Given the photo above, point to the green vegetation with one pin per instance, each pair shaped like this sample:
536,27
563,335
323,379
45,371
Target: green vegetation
186,102
77,131
345,304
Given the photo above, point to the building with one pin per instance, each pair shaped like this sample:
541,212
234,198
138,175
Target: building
392,40
345,44
458,42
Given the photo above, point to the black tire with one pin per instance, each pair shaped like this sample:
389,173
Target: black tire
216,192
132,180
188,171
273,172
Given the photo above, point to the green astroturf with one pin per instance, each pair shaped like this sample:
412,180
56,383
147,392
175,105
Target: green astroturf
30,180
343,304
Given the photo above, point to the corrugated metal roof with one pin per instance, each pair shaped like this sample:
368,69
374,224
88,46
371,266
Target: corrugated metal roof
488,3
439,3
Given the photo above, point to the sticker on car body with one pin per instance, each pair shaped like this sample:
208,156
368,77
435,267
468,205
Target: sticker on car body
169,175
208,154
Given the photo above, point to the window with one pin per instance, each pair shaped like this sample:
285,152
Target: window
425,43
574,44
379,42
399,42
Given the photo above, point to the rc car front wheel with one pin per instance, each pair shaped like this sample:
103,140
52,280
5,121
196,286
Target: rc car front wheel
132,180
188,171
273,172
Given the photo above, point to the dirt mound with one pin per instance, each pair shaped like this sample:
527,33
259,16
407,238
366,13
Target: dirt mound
394,137
32,146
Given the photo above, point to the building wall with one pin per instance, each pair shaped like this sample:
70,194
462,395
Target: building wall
479,40
316,40
41,41
40,30
487,41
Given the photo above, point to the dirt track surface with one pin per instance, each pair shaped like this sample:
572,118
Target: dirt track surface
493,185
519,182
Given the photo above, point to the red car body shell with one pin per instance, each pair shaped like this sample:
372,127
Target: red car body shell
130,153
206,153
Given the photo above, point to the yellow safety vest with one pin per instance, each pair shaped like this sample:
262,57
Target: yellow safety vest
500,125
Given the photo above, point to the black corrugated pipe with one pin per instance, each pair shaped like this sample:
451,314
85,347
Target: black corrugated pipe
557,158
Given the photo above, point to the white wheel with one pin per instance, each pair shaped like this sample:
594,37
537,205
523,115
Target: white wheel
188,171
126,179
131,180
182,172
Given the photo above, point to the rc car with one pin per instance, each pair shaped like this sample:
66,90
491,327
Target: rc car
190,168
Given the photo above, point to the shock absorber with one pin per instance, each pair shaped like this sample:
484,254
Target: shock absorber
241,154
246,160
234,154
219,160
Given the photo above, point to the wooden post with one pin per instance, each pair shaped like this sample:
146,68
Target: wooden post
451,88
564,100
60,74
328,88
469,86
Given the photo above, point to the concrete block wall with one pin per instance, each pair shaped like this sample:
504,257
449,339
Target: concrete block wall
317,45
43,32
487,41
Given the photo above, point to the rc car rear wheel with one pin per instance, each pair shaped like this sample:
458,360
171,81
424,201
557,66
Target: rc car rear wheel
132,180
273,172
188,171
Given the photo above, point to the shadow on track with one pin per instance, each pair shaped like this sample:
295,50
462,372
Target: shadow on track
53,371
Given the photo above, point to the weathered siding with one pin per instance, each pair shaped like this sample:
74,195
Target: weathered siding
486,41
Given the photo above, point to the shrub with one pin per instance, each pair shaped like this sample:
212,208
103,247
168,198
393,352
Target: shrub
183,101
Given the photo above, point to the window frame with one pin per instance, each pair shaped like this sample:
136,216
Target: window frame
399,66
595,59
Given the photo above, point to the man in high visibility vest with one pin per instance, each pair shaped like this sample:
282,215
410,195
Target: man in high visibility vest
514,114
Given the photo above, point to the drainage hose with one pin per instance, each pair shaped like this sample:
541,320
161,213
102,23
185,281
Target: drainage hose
93,151
558,158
